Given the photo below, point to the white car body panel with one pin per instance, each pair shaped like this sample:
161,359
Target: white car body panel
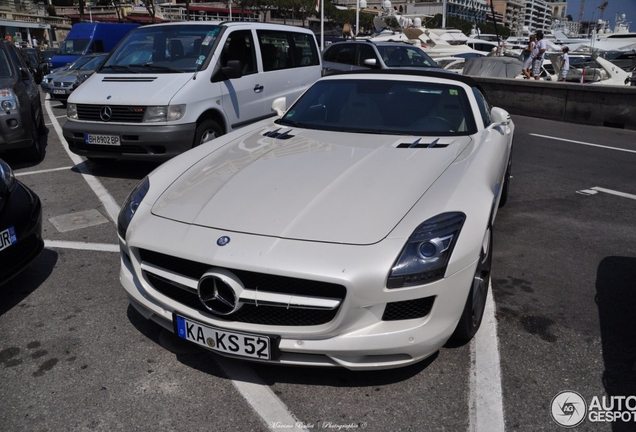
307,189
322,207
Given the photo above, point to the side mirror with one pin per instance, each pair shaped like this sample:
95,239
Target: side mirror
279,106
500,116
233,69
371,62
24,74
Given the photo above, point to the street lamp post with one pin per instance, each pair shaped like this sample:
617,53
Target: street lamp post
360,4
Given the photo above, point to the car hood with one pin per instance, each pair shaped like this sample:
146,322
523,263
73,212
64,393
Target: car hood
308,185
127,89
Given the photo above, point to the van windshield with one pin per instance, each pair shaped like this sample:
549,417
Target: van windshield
73,46
164,49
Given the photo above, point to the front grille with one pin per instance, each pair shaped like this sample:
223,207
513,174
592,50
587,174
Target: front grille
122,114
265,315
62,84
408,309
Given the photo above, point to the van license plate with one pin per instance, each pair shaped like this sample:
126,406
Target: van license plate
112,140
229,342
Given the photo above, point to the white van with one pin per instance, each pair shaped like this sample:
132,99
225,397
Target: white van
168,87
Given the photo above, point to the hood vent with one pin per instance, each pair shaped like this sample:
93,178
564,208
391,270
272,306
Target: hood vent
279,135
128,79
418,144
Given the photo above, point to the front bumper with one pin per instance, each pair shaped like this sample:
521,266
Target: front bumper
138,142
23,212
15,130
359,336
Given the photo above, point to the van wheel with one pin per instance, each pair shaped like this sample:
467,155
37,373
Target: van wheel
476,303
206,131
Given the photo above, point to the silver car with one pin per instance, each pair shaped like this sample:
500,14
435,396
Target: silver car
64,84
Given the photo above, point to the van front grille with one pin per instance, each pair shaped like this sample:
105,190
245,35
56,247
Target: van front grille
116,113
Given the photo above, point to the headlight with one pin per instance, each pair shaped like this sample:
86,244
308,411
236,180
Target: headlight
7,177
8,100
130,206
164,113
71,111
427,252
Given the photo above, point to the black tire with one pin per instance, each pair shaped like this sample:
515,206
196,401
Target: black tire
476,302
206,131
506,185
35,153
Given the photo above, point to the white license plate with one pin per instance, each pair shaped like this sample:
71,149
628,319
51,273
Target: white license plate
59,91
229,342
112,140
7,238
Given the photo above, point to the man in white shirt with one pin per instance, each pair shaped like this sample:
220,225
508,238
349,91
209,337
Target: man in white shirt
565,63
537,55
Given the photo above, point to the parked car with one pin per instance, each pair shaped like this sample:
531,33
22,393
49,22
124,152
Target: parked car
63,84
364,54
21,116
20,225
206,80
353,230
38,62
46,81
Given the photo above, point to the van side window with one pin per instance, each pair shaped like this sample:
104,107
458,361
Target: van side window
240,46
97,47
285,50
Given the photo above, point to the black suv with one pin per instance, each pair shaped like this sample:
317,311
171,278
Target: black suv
364,54
21,116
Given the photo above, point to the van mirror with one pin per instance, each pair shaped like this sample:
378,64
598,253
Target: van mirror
233,69
279,105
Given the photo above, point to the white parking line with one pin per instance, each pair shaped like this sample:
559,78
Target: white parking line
584,143
486,396
19,174
111,206
260,397
99,247
613,192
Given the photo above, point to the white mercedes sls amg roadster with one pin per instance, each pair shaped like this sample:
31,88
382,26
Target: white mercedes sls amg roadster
353,229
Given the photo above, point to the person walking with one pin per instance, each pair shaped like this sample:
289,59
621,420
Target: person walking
537,55
527,59
565,62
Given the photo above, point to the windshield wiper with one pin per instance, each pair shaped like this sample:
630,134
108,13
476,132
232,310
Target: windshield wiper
294,123
119,67
158,67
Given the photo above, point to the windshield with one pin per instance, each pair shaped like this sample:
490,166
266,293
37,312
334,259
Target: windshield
73,46
383,107
93,63
78,63
164,49
405,56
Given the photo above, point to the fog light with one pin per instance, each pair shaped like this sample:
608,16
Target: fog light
13,123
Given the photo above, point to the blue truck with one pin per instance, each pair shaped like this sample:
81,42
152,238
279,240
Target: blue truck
90,38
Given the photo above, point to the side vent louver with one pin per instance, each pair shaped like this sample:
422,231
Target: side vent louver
279,135
418,144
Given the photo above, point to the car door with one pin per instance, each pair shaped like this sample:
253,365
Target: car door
339,57
242,97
